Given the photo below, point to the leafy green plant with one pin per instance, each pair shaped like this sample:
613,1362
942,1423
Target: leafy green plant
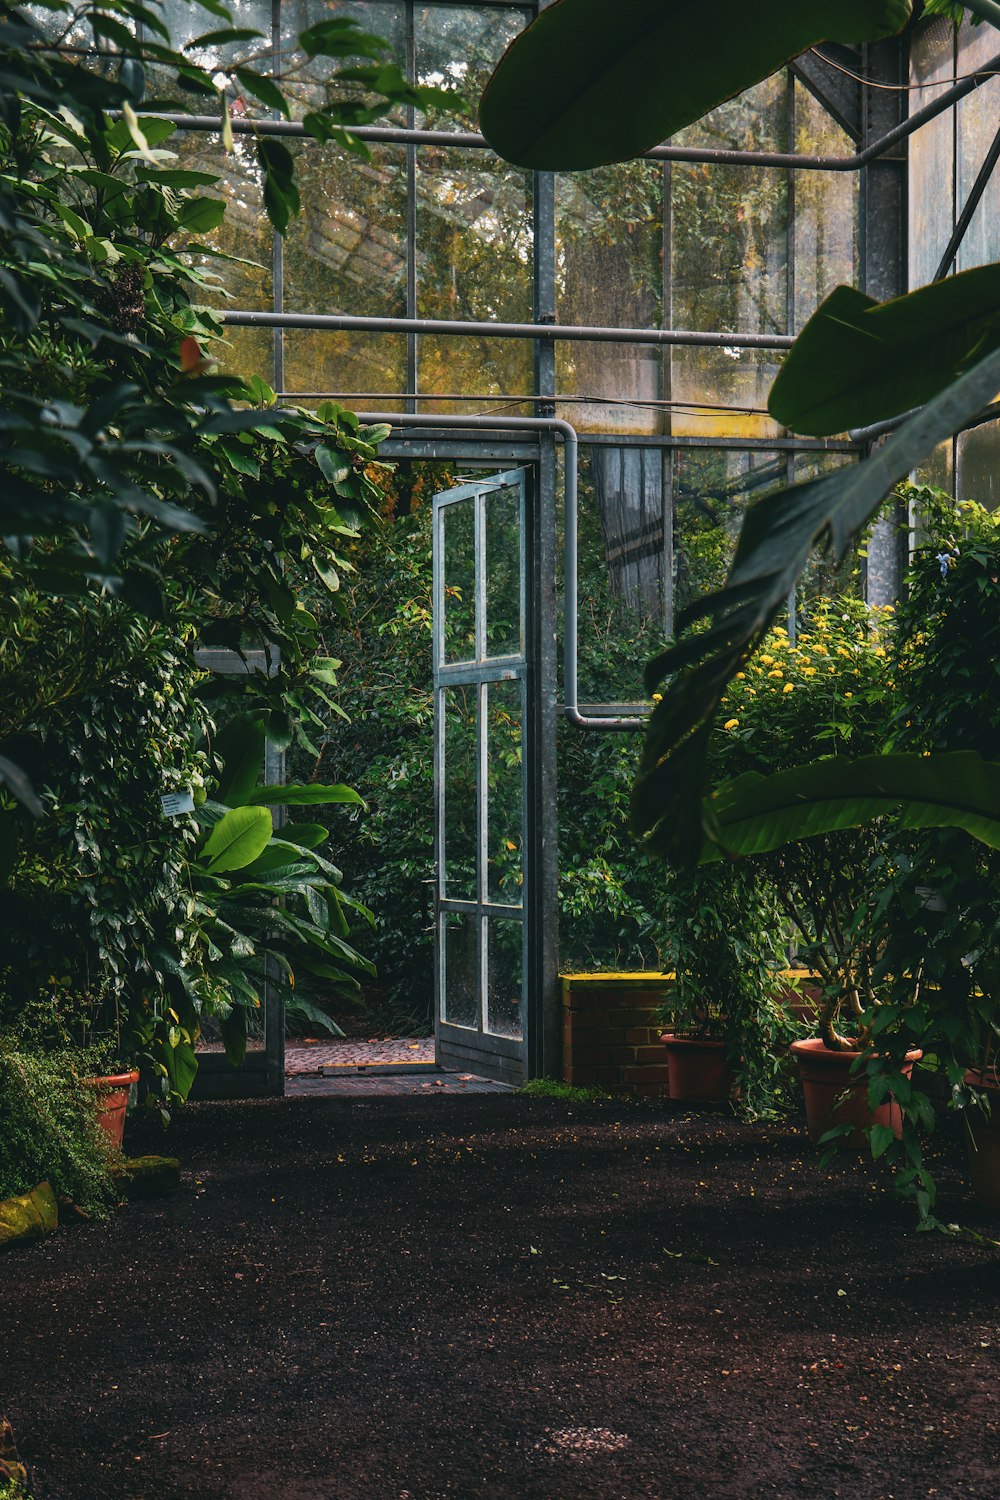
267,905
48,1123
722,936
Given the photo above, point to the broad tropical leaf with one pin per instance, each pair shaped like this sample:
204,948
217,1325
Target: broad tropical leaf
588,83
859,361
296,795
754,814
778,536
236,839
240,748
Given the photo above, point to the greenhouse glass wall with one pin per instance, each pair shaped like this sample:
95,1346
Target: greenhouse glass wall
642,308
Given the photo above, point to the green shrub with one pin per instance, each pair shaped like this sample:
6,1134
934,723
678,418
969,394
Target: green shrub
49,1128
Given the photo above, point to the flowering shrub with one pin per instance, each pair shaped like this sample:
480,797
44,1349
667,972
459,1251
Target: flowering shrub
823,693
830,691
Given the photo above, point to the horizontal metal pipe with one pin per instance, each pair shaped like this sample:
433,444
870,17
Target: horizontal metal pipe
568,434
468,140
467,328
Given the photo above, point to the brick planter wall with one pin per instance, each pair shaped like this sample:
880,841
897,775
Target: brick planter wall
611,1036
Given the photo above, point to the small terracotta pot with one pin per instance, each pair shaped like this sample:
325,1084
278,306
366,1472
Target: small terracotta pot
984,1139
826,1076
112,1101
699,1070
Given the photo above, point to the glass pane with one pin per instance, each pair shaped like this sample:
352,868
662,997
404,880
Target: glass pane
459,706
307,80
451,369
623,565
346,251
473,261
826,211
609,245
504,626
932,150
712,489
460,1004
504,807
979,465
612,387
459,527
821,575
458,47
349,364
504,978
978,115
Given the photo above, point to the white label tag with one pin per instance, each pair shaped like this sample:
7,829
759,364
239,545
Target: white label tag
175,803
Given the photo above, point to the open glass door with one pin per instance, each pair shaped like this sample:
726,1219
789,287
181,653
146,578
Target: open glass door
480,716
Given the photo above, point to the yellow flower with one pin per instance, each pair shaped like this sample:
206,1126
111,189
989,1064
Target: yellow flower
831,669
810,671
779,630
657,697
789,687
842,651
820,651
880,652
740,676
767,661
731,724
848,695
776,673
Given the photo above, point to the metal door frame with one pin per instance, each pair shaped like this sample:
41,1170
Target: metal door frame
506,1058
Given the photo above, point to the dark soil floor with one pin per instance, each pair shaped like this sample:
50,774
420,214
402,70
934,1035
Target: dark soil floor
500,1296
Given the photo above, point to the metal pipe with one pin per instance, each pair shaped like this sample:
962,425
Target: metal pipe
571,446
989,413
469,328
472,141
987,10
971,204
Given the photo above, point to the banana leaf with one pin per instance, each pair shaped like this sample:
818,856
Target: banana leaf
859,361
755,814
236,839
588,83
779,533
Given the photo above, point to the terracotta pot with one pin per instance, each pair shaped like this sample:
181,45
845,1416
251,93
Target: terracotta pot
112,1101
984,1139
700,1072
826,1075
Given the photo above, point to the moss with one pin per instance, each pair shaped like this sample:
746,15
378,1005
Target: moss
28,1216
554,1088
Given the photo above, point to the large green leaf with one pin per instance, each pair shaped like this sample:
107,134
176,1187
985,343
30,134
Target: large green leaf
754,814
297,795
778,536
240,748
237,839
859,361
589,83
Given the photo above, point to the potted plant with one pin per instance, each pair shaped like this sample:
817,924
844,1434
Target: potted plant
831,687
726,1030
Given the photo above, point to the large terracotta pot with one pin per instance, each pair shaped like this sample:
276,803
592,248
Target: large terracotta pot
826,1076
700,1072
112,1101
984,1139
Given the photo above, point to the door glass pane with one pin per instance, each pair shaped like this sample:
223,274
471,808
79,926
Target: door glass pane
505,876
460,975
459,705
504,626
459,528
504,981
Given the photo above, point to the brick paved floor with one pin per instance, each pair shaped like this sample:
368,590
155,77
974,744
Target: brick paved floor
357,1070
316,1057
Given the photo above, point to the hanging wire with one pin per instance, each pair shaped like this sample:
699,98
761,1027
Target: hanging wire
901,88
